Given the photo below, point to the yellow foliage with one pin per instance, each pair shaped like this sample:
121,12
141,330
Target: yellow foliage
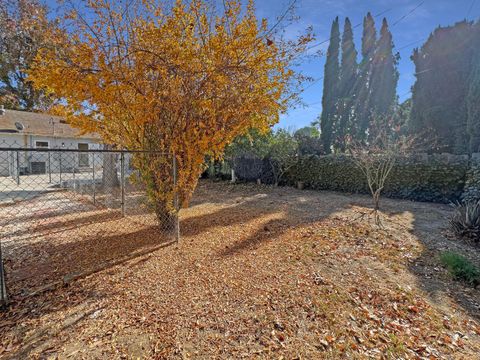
179,80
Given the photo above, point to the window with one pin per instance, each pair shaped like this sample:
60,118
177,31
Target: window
83,160
41,144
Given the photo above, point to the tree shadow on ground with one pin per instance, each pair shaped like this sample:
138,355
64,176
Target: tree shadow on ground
428,225
431,275
268,232
285,207
300,208
54,263
44,226
226,216
281,209
36,263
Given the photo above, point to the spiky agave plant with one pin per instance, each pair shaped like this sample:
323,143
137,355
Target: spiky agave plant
465,222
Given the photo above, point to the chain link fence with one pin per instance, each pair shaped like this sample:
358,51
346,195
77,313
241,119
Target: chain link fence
61,206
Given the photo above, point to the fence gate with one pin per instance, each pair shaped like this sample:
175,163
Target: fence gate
74,209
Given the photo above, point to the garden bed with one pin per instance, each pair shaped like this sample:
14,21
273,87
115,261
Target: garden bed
259,272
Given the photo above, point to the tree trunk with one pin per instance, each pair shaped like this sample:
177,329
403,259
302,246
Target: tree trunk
110,176
167,218
376,207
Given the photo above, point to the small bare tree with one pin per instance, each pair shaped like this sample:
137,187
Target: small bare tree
376,159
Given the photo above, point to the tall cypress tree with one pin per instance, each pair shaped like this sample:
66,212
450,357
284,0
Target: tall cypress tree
473,98
384,76
443,67
346,96
330,87
363,88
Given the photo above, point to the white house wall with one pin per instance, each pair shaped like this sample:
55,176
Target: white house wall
68,160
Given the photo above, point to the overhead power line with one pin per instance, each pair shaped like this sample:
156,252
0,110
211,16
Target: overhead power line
408,92
357,25
376,16
400,48
409,13
471,7
410,44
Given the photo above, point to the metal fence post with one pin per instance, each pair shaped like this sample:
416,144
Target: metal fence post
18,168
11,165
60,167
3,288
175,200
93,177
122,180
49,168
73,177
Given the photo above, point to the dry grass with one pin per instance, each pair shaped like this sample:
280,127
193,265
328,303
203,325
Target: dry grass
259,273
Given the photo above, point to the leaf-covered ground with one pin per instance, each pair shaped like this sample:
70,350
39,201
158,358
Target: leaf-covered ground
260,272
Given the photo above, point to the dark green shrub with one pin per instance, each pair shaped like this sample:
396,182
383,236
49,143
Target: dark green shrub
435,178
461,268
465,222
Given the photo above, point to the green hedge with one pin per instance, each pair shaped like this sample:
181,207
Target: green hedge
436,178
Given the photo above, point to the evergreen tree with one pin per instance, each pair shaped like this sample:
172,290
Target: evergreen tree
443,67
401,116
362,108
308,140
346,96
25,28
330,87
384,77
473,98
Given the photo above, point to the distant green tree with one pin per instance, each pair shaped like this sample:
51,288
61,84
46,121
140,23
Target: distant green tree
308,139
282,154
330,87
245,155
253,144
443,68
277,149
311,131
24,29
473,98
346,92
384,77
363,86
401,115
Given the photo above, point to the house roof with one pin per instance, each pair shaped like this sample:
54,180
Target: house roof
30,123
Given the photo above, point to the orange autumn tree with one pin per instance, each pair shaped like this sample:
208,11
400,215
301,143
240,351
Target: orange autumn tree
184,79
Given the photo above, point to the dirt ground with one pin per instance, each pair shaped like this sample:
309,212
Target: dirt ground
260,272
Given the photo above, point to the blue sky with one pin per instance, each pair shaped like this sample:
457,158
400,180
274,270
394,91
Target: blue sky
415,27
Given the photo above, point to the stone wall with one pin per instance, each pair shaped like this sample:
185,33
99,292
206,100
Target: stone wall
472,182
440,178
